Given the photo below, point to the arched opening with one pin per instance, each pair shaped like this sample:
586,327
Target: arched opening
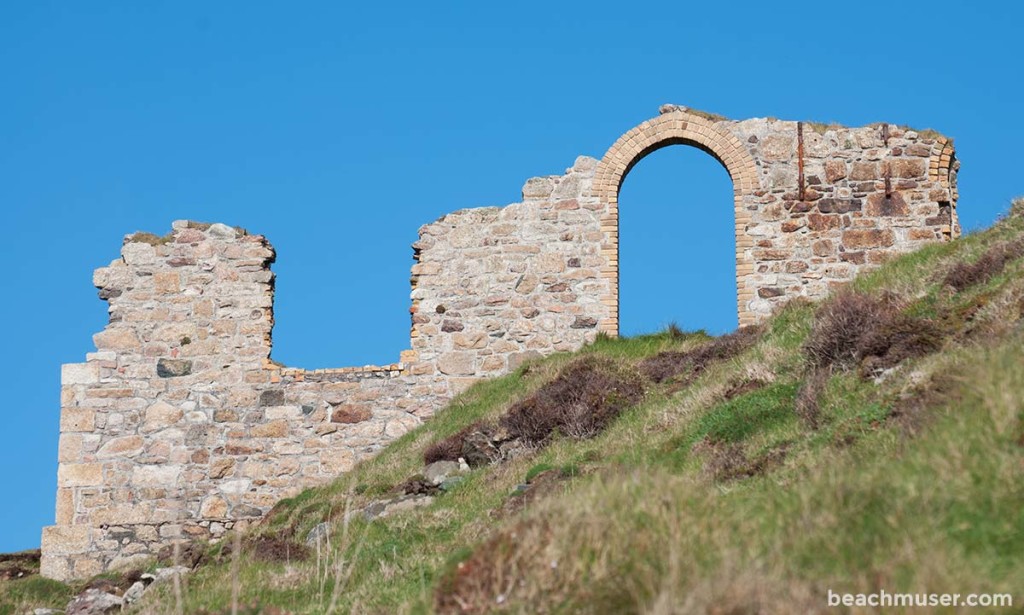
677,244
676,126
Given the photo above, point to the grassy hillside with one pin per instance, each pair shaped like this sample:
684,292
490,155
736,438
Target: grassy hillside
872,442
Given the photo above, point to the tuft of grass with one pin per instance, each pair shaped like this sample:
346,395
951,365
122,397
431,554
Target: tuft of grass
21,595
806,404
840,325
1016,208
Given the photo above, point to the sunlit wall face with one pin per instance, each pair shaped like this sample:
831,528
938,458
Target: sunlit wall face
677,254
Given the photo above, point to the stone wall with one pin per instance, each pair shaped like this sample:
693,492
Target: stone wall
493,286
180,424
813,203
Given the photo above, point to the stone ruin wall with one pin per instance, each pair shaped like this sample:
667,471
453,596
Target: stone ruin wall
813,203
181,426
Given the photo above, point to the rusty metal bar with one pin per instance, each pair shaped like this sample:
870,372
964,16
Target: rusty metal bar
800,158
886,166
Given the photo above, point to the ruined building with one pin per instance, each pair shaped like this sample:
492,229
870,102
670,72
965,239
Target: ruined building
180,425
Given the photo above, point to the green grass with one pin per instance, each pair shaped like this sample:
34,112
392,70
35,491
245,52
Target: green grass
33,592
756,412
537,469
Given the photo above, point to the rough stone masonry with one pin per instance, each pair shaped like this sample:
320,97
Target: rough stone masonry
181,426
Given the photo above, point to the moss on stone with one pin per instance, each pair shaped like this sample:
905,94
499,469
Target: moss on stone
924,133
150,238
713,117
205,226
821,127
930,133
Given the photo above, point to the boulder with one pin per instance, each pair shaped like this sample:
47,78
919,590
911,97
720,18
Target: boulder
133,593
440,471
319,534
94,602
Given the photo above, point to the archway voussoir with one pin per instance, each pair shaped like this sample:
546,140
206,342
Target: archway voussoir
696,119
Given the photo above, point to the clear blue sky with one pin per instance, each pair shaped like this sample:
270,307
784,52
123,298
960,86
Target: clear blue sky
338,130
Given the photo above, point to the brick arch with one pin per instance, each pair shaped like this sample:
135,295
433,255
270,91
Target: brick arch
942,166
676,127
941,161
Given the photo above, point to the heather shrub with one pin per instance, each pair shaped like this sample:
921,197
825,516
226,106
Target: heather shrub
580,402
450,448
839,326
854,328
991,263
688,364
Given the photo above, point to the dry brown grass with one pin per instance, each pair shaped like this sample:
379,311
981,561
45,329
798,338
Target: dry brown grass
269,549
806,405
1017,208
264,548
742,388
542,485
190,554
485,580
712,117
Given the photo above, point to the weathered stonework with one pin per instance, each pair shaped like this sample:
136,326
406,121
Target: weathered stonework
181,425
813,203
